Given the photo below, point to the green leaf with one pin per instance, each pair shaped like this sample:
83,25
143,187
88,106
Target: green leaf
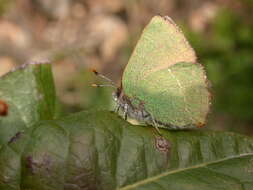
30,96
99,150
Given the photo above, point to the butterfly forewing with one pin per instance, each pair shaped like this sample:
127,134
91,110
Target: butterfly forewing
163,75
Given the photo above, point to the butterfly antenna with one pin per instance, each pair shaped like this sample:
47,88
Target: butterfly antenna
105,78
112,84
103,85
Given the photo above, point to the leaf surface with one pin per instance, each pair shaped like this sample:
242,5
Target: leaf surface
30,96
99,150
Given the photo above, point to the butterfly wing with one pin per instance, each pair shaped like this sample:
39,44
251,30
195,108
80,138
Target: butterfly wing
163,75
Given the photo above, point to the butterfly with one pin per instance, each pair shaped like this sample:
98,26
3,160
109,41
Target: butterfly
163,84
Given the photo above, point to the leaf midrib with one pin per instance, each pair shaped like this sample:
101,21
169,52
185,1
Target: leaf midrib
154,178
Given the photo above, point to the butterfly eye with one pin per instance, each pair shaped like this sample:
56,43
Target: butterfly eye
115,97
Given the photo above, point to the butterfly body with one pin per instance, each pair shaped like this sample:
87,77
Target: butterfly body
129,110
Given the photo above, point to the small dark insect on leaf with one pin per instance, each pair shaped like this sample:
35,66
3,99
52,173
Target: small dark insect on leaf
15,137
3,108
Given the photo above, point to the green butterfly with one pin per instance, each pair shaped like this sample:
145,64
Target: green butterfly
162,84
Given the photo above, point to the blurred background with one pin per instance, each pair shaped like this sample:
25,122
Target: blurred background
76,35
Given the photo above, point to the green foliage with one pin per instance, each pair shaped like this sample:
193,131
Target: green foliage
227,54
30,96
4,4
99,150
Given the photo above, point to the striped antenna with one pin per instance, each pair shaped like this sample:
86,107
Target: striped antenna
103,85
112,84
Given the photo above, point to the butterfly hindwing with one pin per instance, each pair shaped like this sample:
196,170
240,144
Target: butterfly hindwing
163,74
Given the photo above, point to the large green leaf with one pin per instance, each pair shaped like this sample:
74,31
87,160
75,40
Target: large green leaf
30,96
99,150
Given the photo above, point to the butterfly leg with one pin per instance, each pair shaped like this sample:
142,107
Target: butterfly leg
125,111
117,108
156,125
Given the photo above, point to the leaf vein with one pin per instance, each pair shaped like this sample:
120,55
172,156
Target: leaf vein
145,181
